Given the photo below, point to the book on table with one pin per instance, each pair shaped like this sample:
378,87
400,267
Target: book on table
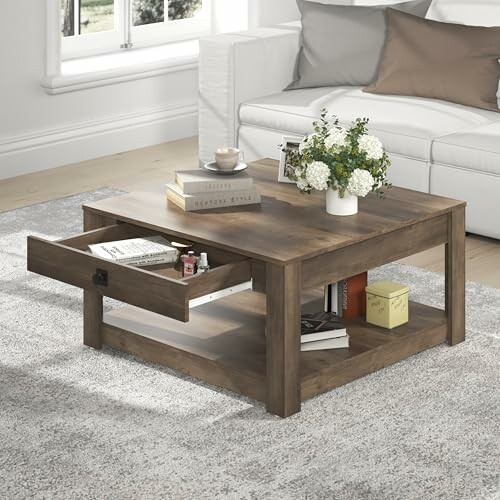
202,190
201,181
147,251
216,199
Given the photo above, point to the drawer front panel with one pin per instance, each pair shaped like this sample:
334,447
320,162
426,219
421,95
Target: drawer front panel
134,286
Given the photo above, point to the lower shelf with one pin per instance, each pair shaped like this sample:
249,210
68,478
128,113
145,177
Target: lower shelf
224,344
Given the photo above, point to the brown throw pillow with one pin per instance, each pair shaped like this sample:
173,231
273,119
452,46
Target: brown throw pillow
427,58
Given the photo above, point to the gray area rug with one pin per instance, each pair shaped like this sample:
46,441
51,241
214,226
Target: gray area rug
76,423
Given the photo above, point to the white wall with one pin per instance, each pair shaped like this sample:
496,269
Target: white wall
271,12
39,131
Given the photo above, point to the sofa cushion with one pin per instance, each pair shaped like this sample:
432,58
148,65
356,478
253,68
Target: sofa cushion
342,45
426,58
470,12
406,125
480,191
474,149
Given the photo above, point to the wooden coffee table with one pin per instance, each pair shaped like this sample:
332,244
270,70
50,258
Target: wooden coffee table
249,342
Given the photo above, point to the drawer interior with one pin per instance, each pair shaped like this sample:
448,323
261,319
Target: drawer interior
152,287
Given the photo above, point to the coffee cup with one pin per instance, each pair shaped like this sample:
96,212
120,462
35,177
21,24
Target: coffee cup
227,158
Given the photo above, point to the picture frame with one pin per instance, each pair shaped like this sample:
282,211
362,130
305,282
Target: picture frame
287,142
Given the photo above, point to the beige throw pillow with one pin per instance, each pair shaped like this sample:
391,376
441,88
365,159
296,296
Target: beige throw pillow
427,58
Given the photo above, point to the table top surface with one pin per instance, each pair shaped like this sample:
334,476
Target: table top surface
287,226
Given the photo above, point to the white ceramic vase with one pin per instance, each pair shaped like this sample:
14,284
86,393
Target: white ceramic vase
335,205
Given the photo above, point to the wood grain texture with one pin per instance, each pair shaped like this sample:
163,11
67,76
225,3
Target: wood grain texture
259,276
92,319
235,379
144,168
112,232
371,360
92,299
131,285
283,293
68,261
223,343
455,276
93,220
289,242
286,227
230,333
219,278
368,254
130,170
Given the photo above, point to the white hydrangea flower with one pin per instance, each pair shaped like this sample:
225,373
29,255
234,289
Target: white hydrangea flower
307,141
317,175
372,146
336,138
303,185
360,183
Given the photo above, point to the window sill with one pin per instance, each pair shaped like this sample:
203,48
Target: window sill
134,64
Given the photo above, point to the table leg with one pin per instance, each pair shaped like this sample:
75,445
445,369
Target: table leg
92,318
92,300
455,276
283,290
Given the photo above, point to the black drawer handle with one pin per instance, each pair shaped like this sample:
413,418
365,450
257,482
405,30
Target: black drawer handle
100,277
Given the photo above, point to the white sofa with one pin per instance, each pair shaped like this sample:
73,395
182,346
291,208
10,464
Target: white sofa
435,146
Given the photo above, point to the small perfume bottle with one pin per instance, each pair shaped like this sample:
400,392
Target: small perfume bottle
181,249
203,266
189,264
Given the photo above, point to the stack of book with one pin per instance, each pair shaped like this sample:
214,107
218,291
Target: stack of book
148,251
321,331
201,190
347,298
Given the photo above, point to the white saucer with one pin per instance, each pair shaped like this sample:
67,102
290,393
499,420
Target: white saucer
213,167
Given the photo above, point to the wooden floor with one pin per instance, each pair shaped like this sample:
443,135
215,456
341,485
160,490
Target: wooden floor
155,165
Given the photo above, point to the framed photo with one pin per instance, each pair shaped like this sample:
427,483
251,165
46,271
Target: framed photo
288,143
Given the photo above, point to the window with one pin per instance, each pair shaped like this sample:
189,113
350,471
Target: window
100,26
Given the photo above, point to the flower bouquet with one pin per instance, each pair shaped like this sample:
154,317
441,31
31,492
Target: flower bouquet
346,163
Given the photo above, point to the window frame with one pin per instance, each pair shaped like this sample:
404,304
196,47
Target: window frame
175,31
119,38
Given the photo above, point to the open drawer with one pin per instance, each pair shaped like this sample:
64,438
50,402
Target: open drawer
159,289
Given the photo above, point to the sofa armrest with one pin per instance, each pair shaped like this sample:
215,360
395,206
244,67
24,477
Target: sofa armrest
235,68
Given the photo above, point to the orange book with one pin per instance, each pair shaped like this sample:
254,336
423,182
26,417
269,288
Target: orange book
352,296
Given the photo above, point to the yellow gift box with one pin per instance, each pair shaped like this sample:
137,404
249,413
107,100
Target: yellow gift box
387,304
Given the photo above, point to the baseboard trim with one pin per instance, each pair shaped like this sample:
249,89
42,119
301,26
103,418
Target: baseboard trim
85,141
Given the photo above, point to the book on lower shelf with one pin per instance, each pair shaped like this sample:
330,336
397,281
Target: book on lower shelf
216,199
323,330
347,298
321,326
321,345
147,251
352,296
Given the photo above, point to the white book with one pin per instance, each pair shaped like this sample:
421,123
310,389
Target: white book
318,345
332,299
152,261
205,201
201,181
148,250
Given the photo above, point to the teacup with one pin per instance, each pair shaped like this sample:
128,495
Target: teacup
227,158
